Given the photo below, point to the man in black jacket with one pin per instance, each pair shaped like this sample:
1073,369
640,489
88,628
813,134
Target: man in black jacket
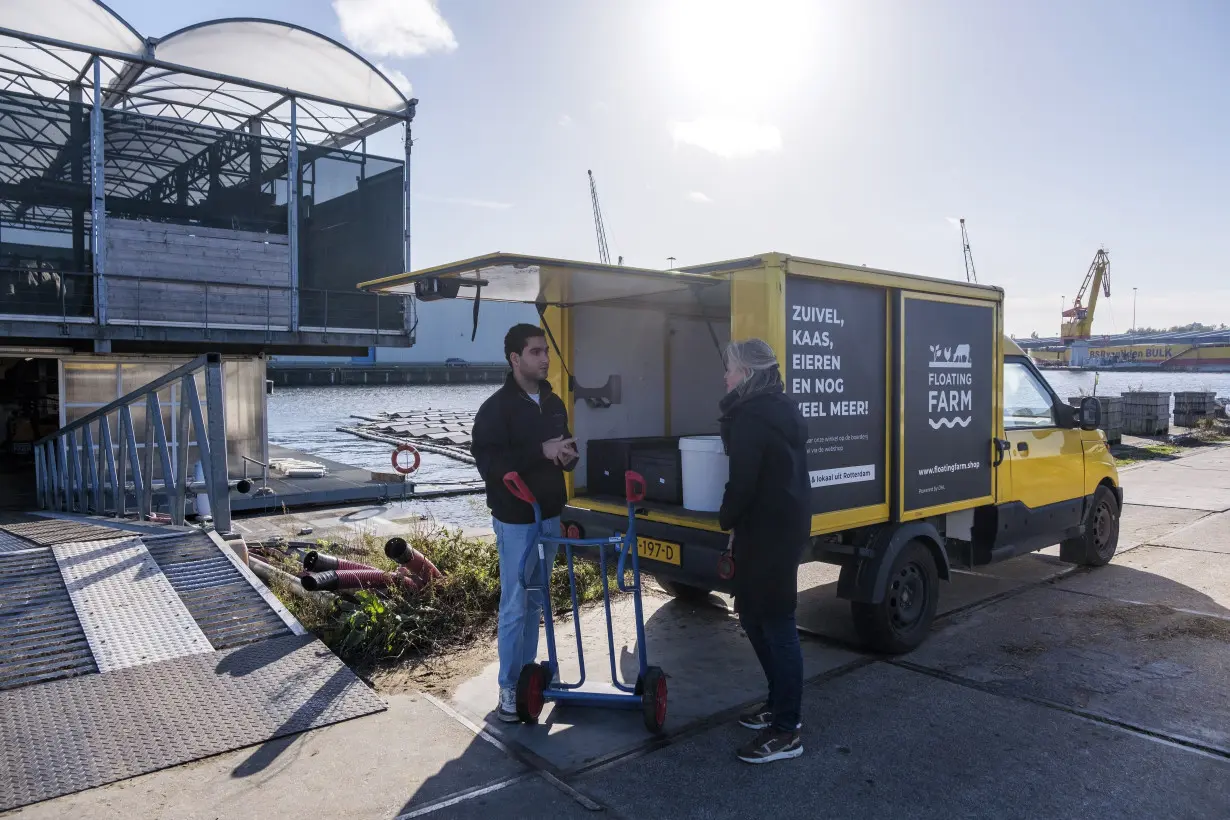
767,507
523,428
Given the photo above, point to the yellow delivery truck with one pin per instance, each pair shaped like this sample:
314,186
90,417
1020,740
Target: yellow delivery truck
934,442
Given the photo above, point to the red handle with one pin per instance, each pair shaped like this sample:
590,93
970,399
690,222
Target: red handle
634,486
517,487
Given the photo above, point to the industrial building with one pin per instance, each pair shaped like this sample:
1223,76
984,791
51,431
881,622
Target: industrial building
206,191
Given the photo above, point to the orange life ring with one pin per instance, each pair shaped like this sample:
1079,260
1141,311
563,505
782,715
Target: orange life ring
406,448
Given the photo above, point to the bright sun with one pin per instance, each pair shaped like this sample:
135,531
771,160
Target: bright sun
751,51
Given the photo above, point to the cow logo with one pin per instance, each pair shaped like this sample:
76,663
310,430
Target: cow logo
950,393
946,357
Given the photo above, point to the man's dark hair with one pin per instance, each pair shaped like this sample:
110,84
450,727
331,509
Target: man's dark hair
518,337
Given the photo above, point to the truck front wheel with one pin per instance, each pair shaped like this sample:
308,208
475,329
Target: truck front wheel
901,621
1097,546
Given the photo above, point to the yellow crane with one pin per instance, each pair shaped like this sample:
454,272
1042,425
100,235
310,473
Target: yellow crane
1078,320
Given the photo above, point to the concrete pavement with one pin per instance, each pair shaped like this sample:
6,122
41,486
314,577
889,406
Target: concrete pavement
1045,691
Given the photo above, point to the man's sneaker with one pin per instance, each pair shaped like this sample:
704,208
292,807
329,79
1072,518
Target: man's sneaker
758,717
772,745
508,706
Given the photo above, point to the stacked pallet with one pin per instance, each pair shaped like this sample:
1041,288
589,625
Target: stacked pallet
1146,413
1193,407
1112,415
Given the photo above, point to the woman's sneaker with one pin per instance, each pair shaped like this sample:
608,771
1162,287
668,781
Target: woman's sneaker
758,717
772,745
507,711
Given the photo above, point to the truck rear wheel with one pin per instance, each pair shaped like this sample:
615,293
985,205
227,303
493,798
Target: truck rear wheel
684,592
1097,546
902,620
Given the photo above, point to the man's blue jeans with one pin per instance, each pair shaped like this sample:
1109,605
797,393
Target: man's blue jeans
776,641
519,611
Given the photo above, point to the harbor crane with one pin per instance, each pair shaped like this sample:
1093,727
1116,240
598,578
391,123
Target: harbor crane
1077,320
970,276
604,255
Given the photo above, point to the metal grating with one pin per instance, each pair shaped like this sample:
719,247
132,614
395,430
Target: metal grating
40,636
130,612
11,543
228,609
48,532
65,736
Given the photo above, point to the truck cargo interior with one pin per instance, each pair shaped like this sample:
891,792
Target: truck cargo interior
644,347
668,357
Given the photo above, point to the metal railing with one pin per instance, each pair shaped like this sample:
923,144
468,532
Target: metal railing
80,468
145,301
150,301
340,310
263,489
49,293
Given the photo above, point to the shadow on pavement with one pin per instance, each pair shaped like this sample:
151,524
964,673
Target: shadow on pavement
1051,674
1015,709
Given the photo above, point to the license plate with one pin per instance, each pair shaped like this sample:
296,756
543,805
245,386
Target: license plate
668,552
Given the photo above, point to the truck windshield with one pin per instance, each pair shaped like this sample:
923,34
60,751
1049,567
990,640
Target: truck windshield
1026,402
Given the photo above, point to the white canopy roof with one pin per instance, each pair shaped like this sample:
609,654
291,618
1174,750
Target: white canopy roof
222,73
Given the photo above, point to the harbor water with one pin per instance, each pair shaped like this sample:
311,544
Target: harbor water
306,418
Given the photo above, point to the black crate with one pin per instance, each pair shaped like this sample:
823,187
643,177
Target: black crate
663,474
607,459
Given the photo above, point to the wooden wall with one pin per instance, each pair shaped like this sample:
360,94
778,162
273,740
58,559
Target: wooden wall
181,274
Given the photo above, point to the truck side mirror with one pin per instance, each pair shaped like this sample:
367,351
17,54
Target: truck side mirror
1090,413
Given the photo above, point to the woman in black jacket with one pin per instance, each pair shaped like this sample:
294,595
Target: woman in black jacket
766,506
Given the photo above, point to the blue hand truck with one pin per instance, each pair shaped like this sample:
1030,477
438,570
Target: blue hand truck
536,684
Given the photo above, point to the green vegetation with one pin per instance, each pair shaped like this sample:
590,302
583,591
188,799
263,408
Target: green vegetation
1212,431
1132,453
375,628
1194,326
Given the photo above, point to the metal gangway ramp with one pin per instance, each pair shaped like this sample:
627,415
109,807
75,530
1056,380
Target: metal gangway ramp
128,650
127,645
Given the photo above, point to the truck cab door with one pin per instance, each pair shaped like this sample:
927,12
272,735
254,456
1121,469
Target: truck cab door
1045,459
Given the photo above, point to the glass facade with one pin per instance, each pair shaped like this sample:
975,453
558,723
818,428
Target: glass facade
89,384
187,204
45,260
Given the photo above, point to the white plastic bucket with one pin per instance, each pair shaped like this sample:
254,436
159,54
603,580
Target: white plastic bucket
705,469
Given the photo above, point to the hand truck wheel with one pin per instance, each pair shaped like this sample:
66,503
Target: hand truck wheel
530,687
653,699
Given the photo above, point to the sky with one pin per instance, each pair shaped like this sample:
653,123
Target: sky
855,131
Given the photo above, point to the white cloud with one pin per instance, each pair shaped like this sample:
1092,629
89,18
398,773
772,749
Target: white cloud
400,80
394,28
489,204
565,121
697,196
954,221
730,139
